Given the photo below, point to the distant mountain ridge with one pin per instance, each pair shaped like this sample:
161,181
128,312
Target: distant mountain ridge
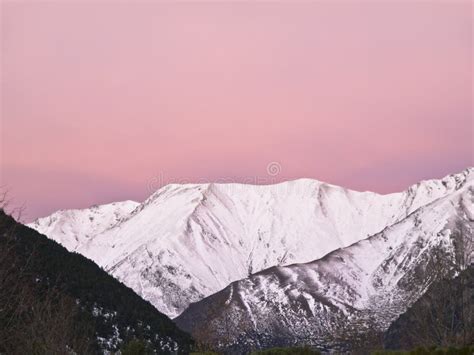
73,227
354,290
186,242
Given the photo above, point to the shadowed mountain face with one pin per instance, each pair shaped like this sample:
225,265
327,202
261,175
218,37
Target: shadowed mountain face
187,242
356,290
442,317
52,299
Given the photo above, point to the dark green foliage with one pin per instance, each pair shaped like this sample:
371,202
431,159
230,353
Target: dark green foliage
136,347
467,350
287,351
99,302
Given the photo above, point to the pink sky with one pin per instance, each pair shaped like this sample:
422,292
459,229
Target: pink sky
104,101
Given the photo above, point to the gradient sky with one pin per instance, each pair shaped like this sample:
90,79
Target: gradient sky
104,101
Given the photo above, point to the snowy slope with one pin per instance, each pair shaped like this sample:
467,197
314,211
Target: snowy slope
72,228
187,242
365,285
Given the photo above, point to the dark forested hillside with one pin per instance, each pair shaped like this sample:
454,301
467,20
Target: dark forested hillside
443,316
52,300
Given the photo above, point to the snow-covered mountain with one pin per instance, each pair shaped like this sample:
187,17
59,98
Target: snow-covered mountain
72,228
365,286
186,242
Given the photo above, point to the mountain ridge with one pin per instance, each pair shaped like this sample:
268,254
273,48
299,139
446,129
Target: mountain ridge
186,242
317,303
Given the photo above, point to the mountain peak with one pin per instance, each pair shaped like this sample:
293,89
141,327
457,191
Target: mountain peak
365,286
187,241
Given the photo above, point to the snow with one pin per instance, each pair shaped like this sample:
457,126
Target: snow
71,228
373,280
186,242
